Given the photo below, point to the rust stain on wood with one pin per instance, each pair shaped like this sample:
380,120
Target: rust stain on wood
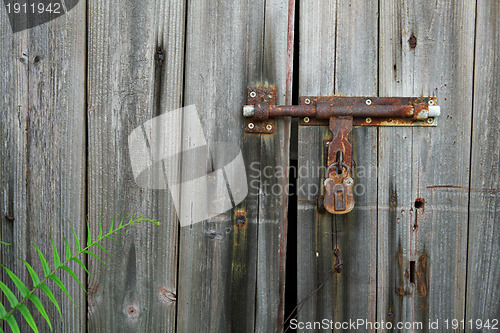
422,269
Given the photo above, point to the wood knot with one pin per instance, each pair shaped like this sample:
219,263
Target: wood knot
412,41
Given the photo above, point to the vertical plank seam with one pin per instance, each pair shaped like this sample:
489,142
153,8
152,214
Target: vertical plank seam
182,104
470,159
261,144
284,221
86,166
378,161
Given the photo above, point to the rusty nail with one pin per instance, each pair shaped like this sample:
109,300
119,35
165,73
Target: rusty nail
431,102
253,94
240,220
368,102
348,181
390,315
269,127
430,120
306,119
368,120
251,125
307,101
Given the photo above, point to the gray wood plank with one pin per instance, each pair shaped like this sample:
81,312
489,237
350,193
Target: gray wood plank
273,205
42,157
314,231
129,85
338,54
422,223
483,283
229,274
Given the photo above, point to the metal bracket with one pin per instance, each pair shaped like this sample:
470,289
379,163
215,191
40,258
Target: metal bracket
340,113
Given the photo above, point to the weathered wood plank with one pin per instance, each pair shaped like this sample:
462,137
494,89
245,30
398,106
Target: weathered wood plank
317,21
129,85
356,74
273,203
229,274
425,48
338,54
483,282
42,157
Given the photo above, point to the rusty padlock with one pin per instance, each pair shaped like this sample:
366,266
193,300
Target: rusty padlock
339,198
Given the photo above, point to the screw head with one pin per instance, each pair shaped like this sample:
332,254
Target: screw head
430,120
348,181
251,125
253,94
306,119
368,102
368,120
431,102
307,101
269,127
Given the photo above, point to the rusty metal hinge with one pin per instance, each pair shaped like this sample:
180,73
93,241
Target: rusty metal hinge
340,113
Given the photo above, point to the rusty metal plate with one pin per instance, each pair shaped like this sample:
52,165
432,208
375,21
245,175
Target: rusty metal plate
260,95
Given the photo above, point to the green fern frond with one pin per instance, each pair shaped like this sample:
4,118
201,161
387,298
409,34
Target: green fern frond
49,273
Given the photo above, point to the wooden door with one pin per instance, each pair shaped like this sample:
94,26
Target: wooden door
420,245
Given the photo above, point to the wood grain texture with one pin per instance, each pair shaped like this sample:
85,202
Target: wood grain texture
42,156
483,283
338,54
128,86
314,231
228,274
425,48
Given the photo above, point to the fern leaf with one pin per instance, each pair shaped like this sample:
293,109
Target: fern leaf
68,250
17,281
79,262
33,274
121,223
55,254
112,224
89,235
54,278
38,304
73,275
77,241
3,312
100,231
9,294
12,323
94,255
50,295
102,248
45,265
113,239
28,317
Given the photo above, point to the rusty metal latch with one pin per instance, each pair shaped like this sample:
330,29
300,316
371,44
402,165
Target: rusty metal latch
340,113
